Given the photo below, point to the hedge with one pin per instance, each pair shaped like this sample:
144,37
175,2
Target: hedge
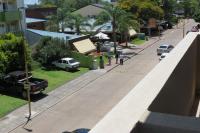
85,61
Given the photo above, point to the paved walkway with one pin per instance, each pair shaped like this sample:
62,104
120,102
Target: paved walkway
17,117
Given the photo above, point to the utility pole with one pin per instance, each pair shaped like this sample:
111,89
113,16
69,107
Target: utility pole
26,84
183,28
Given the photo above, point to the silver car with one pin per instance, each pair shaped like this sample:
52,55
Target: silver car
67,64
164,49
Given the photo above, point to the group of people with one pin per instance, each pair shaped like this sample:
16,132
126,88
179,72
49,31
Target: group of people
119,57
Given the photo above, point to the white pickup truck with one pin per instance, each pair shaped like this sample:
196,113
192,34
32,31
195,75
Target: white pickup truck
67,64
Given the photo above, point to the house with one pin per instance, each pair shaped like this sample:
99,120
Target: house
35,23
80,43
40,13
90,11
10,18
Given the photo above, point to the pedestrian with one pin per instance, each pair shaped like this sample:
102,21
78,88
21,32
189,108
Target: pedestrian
109,60
98,47
116,57
121,59
101,62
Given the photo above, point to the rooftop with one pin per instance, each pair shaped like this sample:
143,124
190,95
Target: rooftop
34,20
55,34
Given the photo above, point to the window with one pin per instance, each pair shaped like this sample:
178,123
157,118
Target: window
72,61
64,61
5,7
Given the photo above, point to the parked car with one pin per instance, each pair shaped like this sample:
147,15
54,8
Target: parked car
163,55
164,49
194,29
67,64
15,82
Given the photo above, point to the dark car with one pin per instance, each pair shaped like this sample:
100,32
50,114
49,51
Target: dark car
15,82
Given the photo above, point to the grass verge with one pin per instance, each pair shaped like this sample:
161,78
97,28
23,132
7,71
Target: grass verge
138,41
57,78
9,104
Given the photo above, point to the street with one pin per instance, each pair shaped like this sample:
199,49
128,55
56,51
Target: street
87,106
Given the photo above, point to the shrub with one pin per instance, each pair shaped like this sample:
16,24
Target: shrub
12,53
85,61
50,49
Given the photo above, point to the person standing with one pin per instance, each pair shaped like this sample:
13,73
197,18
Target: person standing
101,62
117,57
109,60
121,59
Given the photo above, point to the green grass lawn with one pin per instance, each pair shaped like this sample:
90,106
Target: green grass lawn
8,104
138,41
55,79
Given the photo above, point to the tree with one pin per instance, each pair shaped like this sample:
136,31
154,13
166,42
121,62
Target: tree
58,22
126,22
111,13
197,16
51,49
12,53
168,7
144,9
76,21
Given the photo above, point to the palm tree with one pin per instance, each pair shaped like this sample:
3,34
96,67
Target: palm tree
58,22
76,21
114,14
52,23
125,23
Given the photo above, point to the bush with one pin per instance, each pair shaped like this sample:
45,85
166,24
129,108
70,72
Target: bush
85,61
50,49
12,53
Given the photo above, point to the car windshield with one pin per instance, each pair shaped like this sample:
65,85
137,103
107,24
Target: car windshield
163,46
72,61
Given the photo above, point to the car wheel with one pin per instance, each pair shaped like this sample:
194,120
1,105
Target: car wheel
24,94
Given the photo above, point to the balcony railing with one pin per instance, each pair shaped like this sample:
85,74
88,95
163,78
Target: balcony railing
8,16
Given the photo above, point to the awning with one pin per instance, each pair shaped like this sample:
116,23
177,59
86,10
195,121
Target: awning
132,32
84,46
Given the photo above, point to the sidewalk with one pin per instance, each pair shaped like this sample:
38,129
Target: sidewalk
17,117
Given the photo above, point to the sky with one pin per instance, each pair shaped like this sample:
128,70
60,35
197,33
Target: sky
30,2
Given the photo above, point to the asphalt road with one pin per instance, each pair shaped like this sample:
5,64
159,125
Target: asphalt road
86,107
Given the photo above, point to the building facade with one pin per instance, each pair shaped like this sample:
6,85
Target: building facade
12,16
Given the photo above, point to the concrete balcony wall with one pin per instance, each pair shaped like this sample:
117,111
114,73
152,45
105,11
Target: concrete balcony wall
178,93
152,122
169,89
